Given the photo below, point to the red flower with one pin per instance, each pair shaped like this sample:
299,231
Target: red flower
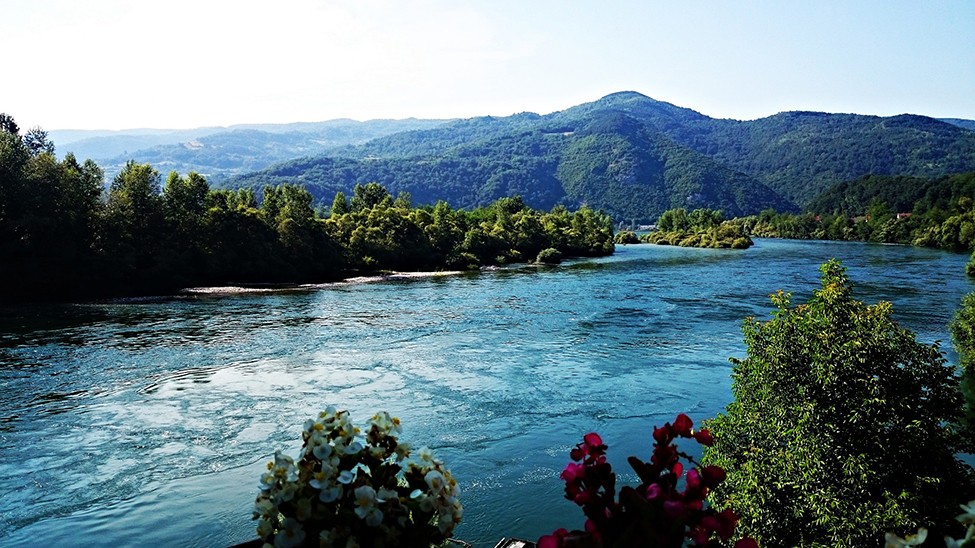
703,436
713,475
663,434
683,425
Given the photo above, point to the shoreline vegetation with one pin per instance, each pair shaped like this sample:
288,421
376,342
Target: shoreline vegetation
63,236
705,228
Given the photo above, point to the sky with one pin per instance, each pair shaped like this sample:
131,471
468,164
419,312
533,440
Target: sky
116,64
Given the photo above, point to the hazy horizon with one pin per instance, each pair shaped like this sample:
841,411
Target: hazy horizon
113,64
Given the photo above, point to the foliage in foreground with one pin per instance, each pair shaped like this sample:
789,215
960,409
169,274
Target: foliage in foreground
655,512
843,426
343,492
963,336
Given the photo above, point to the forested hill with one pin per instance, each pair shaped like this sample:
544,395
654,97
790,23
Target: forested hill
636,157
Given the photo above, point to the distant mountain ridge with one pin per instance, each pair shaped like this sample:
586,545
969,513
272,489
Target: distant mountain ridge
219,152
635,157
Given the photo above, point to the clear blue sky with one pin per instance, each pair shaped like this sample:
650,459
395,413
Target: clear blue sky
112,64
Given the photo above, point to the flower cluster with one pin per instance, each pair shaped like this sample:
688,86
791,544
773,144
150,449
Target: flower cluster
654,513
966,518
348,491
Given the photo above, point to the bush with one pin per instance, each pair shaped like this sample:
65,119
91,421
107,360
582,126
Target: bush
843,426
627,237
549,256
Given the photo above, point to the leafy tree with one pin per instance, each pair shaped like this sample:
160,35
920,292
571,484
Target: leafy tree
134,223
8,125
340,205
370,195
963,335
37,141
843,426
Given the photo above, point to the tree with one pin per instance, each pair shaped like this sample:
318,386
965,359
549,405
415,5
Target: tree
8,125
134,222
369,196
843,426
963,336
37,141
340,205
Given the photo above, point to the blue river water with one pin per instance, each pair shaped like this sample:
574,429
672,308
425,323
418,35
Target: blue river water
149,421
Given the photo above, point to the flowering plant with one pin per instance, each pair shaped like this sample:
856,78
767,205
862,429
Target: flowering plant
349,491
654,513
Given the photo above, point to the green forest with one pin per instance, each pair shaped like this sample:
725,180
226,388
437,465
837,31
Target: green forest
63,235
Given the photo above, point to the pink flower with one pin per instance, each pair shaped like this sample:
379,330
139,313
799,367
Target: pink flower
693,481
554,540
573,472
674,509
592,439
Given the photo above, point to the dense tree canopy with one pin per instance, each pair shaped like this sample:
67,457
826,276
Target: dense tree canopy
62,234
701,227
843,426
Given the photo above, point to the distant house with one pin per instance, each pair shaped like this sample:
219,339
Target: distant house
903,216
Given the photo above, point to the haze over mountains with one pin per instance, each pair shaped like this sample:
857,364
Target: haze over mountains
625,153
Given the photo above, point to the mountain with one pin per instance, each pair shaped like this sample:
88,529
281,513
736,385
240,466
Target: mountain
603,158
219,152
635,157
966,124
801,154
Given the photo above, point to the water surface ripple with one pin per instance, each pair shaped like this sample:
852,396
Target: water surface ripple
148,421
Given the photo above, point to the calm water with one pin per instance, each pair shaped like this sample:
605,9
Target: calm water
149,422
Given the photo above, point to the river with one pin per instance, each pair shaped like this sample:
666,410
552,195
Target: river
149,421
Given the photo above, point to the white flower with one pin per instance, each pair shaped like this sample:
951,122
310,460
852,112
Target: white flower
322,451
894,541
425,455
969,539
287,492
434,481
264,528
346,477
263,507
365,502
968,518
291,534
353,448
402,451
284,467
387,495
330,494
386,424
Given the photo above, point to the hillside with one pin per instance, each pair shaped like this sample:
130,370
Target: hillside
222,152
901,194
607,160
636,157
